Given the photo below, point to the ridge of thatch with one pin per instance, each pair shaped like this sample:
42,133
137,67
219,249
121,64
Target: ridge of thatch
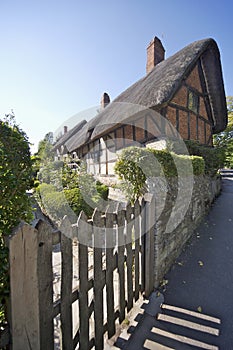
65,137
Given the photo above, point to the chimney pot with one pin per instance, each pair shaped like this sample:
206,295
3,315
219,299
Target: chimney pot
155,54
65,129
105,100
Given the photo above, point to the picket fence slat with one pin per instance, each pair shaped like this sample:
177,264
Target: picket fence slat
149,245
110,242
99,244
129,258
143,239
83,283
45,276
121,261
137,233
66,285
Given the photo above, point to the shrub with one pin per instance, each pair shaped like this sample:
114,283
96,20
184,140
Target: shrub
77,202
86,196
198,164
213,156
102,189
58,203
16,177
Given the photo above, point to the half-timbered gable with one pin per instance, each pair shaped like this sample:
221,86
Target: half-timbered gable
187,110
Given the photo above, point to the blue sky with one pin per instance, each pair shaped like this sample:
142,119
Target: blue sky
58,57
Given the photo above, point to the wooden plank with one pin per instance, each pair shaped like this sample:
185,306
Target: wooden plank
66,284
83,229
129,258
121,260
149,246
98,225
110,241
143,231
137,235
45,278
23,257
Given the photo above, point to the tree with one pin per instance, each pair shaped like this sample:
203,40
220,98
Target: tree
224,140
15,179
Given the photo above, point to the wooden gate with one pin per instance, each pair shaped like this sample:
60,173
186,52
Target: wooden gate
99,278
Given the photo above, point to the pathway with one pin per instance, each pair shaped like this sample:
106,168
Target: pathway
197,293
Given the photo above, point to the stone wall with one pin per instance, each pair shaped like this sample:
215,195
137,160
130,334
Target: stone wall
170,239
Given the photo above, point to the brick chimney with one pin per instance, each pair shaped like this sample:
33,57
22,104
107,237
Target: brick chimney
155,54
105,100
65,129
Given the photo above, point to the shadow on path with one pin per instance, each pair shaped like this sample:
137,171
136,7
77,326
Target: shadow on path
201,281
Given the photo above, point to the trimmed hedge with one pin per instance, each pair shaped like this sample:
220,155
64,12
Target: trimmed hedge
213,156
52,201
136,164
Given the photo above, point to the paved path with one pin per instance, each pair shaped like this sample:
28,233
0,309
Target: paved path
201,282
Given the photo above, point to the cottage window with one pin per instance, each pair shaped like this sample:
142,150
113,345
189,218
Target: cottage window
193,101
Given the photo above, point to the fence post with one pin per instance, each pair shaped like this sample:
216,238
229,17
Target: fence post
149,244
31,284
23,257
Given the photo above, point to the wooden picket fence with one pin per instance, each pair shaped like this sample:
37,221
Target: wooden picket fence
114,254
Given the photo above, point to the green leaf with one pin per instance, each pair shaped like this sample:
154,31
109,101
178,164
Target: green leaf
199,309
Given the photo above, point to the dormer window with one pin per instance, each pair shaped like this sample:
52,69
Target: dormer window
193,101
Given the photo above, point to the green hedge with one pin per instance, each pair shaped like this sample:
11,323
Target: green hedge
77,202
213,156
57,203
52,201
136,164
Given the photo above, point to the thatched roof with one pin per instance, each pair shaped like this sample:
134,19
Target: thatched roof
66,137
158,87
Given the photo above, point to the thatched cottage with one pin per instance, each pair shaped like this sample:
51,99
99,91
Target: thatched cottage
186,89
